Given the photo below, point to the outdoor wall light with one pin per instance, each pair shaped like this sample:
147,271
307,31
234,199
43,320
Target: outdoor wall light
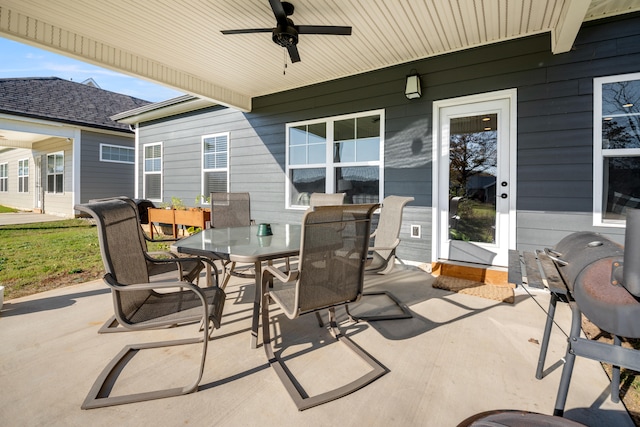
413,90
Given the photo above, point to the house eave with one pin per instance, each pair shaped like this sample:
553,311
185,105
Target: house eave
159,110
65,122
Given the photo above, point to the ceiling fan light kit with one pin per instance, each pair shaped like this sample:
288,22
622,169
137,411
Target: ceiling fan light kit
286,33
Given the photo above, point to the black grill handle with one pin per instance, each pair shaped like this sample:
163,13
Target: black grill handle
554,256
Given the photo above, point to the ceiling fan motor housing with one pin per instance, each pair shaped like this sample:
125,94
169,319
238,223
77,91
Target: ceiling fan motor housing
286,33
285,36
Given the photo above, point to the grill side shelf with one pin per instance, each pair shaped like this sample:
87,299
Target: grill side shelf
536,270
554,281
534,278
515,271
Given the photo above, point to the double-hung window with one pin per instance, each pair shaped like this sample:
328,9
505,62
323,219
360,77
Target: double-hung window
55,173
341,154
616,148
153,171
4,177
215,163
23,176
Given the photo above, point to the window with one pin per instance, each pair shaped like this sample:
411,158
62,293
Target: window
616,147
153,171
55,173
215,161
336,155
23,176
4,177
117,154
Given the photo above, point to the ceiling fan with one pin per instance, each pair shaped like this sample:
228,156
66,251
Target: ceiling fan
286,32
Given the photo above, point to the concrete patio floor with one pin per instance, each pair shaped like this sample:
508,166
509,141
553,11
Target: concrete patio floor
458,356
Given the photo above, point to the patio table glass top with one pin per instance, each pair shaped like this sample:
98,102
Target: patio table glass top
242,244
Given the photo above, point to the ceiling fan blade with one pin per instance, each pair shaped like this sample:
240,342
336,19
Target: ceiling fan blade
278,11
323,29
247,31
293,53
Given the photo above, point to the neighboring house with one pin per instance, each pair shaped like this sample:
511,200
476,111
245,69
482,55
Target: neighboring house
58,145
558,133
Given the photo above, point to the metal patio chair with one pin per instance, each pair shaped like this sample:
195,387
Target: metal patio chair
188,269
137,303
386,235
231,210
333,252
382,257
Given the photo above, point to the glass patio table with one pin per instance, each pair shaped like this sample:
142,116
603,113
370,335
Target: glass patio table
242,244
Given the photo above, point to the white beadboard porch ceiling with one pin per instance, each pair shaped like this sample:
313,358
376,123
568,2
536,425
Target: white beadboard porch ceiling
178,43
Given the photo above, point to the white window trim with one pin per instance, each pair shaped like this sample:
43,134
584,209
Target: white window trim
203,170
20,177
5,177
49,192
598,156
123,147
144,172
329,165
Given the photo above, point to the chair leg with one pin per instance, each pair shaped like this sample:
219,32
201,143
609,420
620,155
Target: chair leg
227,272
319,319
110,326
298,395
389,266
570,358
404,314
98,396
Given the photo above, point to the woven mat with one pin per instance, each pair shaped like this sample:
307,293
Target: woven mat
477,289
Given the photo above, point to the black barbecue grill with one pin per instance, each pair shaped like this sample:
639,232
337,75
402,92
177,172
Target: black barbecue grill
599,278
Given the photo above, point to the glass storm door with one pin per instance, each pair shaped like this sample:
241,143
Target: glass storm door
474,185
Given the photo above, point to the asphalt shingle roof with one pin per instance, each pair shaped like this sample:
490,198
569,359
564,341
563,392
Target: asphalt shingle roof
60,100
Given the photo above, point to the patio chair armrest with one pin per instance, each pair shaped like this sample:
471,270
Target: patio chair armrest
164,239
110,280
173,259
206,261
290,276
155,254
161,284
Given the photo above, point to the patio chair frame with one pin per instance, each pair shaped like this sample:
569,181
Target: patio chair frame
388,225
123,255
231,210
301,305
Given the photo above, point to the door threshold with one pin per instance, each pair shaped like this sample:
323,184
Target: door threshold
488,274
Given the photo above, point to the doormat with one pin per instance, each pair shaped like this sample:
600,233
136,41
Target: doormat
476,289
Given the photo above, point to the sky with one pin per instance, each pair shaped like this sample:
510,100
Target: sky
21,60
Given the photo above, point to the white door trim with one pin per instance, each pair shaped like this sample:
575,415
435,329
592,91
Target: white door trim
511,95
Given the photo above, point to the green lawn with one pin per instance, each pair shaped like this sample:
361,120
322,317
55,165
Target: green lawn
47,255
4,209
42,256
